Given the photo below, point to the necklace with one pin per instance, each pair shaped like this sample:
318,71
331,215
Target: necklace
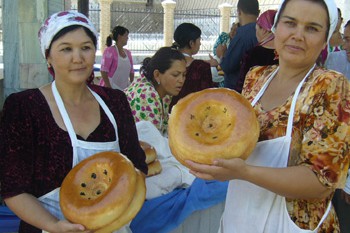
187,55
189,59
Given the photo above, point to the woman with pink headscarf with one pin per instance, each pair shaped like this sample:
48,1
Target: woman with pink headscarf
263,53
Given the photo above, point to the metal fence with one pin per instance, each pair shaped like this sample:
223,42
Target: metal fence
146,23
208,20
94,14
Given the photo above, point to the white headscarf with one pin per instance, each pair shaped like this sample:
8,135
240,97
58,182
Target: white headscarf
57,22
332,12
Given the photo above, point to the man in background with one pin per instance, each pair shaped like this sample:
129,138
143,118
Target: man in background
245,38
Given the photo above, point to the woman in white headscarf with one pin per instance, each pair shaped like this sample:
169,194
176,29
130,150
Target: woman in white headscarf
46,131
287,183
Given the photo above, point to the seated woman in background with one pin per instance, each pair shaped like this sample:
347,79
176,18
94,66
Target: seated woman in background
187,38
162,77
264,53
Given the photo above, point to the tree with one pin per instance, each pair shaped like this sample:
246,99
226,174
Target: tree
83,7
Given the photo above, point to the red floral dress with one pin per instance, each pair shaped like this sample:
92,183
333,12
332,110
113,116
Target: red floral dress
320,138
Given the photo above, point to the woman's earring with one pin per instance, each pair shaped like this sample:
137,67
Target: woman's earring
48,65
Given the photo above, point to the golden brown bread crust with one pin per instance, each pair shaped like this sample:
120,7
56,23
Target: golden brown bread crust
98,190
150,152
132,210
220,71
154,168
213,123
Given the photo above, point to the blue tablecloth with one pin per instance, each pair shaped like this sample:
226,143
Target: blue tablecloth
9,222
158,215
165,213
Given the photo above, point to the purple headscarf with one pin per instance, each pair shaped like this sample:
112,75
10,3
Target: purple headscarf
266,19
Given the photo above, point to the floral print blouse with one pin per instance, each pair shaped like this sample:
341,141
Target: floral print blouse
320,138
146,104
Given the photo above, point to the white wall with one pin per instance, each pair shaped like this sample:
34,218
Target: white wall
345,9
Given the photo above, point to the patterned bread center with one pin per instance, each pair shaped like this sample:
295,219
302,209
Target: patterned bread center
95,183
210,122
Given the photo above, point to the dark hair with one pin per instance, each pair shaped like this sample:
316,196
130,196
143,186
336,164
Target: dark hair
250,7
161,60
321,2
185,33
117,31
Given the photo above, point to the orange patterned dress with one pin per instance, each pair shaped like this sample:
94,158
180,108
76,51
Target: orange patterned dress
320,138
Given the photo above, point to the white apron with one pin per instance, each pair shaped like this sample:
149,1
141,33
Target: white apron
81,149
121,76
252,209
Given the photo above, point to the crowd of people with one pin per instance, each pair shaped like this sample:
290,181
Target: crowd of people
291,63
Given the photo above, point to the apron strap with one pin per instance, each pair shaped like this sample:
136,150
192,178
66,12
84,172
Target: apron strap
68,123
293,104
66,118
324,215
294,101
106,110
264,87
64,114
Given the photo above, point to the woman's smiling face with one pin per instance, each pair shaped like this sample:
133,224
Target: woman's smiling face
72,56
301,33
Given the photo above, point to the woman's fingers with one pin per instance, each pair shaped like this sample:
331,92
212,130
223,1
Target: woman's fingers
209,172
221,169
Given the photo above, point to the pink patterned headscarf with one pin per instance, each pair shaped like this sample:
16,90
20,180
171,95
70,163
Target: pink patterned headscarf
56,22
266,19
